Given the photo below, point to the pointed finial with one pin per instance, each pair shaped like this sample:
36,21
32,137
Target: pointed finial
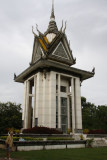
33,32
69,42
65,26
36,27
61,26
52,12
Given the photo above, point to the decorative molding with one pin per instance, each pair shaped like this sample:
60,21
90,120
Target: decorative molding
61,53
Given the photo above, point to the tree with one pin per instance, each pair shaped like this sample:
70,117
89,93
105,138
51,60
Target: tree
10,116
93,117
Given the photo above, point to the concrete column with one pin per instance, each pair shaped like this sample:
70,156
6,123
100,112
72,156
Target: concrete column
24,105
69,121
68,107
73,105
78,104
52,100
34,109
59,102
27,105
39,99
44,100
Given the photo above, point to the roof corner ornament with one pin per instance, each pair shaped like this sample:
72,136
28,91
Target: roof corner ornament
33,32
61,26
74,60
80,83
65,26
37,28
45,73
93,70
14,76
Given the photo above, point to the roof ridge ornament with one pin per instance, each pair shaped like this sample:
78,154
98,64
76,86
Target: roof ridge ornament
34,32
38,30
65,26
61,26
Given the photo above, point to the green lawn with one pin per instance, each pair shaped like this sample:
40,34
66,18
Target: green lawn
66,154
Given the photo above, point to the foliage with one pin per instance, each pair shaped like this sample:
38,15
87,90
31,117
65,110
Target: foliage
81,137
68,131
89,142
25,138
10,116
60,138
94,117
41,130
86,131
14,138
97,131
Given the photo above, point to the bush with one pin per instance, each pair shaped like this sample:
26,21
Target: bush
25,138
60,138
32,139
97,131
17,131
89,142
41,130
14,138
86,131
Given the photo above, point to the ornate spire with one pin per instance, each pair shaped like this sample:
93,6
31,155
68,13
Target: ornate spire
52,17
52,28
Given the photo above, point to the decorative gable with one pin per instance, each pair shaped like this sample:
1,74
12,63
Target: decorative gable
37,51
60,51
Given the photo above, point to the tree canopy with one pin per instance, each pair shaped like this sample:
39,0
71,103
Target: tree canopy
94,117
10,116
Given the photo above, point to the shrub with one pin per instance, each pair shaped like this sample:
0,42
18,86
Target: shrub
89,142
41,130
97,131
32,139
86,131
14,138
68,131
25,138
60,138
81,137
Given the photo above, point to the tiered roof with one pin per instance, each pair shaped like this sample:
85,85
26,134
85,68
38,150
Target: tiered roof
51,50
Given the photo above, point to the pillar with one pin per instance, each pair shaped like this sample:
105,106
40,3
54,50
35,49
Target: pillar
27,105
59,102
34,109
39,100
73,105
24,105
68,109
78,105
52,100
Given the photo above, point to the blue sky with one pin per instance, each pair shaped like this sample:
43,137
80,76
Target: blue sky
86,30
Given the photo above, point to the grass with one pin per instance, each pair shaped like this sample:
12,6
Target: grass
65,154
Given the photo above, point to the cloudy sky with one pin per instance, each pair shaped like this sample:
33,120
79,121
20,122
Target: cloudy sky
86,30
